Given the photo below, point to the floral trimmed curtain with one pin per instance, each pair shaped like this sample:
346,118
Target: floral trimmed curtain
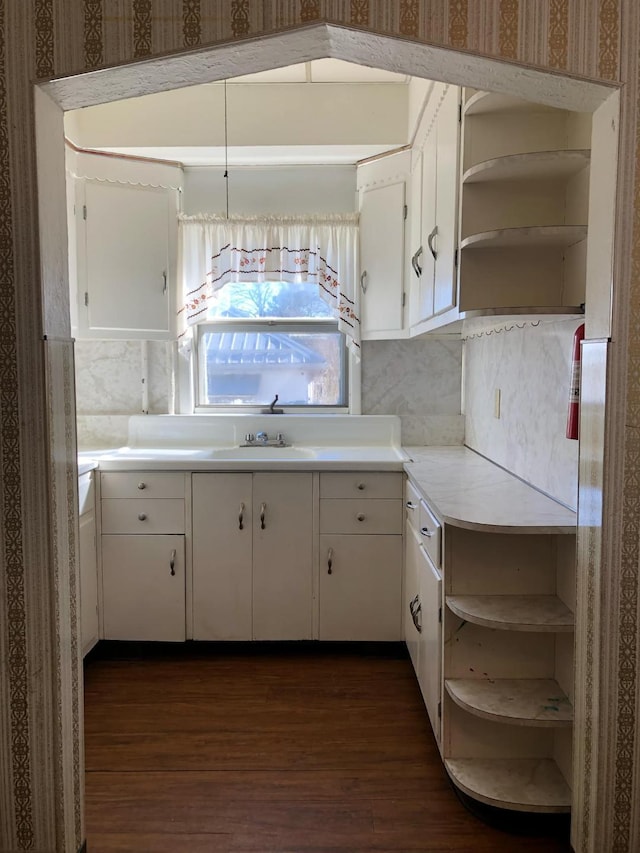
215,250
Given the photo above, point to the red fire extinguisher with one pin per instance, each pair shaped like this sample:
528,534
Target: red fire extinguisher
573,415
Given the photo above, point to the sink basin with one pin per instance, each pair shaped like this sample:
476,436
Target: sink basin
260,453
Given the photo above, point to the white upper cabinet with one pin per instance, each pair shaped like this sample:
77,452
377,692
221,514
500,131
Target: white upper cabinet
434,204
126,241
382,198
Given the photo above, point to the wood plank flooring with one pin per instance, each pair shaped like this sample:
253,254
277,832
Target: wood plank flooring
225,749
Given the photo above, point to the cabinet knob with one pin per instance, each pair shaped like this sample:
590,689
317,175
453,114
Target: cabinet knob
142,516
142,485
360,516
361,486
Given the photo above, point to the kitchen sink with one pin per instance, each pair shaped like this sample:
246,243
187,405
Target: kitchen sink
262,452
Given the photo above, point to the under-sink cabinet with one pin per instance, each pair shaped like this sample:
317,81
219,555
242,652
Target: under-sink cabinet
252,556
497,616
143,555
360,556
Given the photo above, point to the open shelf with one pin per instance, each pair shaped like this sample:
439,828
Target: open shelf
551,236
523,784
493,102
518,701
535,613
534,166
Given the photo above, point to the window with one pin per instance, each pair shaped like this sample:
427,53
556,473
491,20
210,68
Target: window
262,339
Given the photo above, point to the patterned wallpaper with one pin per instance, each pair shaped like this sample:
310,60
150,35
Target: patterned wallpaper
40,776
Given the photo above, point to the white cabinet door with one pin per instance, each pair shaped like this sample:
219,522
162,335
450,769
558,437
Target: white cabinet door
430,644
222,556
429,227
125,270
360,587
382,191
282,556
143,587
88,574
411,594
448,147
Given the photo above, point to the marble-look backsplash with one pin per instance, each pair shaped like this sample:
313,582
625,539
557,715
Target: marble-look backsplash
531,367
417,380
109,377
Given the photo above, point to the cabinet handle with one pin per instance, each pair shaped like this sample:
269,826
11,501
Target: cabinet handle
330,561
360,487
426,532
415,608
172,562
430,242
415,264
360,516
164,282
263,510
411,505
363,281
142,486
241,517
142,516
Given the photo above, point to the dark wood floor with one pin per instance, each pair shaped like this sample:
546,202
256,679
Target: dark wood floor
217,749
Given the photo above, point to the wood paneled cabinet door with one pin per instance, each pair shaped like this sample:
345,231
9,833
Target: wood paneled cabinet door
143,586
252,556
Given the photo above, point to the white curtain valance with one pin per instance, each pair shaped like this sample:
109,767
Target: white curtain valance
215,250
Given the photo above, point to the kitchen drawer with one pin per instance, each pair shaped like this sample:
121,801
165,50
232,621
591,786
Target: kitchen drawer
412,505
126,515
136,484
360,516
86,493
431,534
362,484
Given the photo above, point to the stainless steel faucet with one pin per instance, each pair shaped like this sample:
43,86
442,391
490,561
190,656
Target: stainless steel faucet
262,437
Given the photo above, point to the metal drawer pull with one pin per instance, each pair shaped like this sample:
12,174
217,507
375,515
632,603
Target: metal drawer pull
430,242
411,505
142,516
142,485
363,281
415,608
164,282
330,561
263,509
172,562
241,517
426,532
415,264
360,516
361,486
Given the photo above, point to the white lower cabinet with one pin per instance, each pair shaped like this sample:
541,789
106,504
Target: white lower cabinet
360,583
143,555
252,556
488,621
88,563
143,587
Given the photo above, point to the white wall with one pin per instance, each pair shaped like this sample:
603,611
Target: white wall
531,367
284,190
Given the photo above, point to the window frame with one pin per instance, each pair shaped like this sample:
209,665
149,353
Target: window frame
275,326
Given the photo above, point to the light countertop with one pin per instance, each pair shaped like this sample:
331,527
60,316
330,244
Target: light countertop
467,490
